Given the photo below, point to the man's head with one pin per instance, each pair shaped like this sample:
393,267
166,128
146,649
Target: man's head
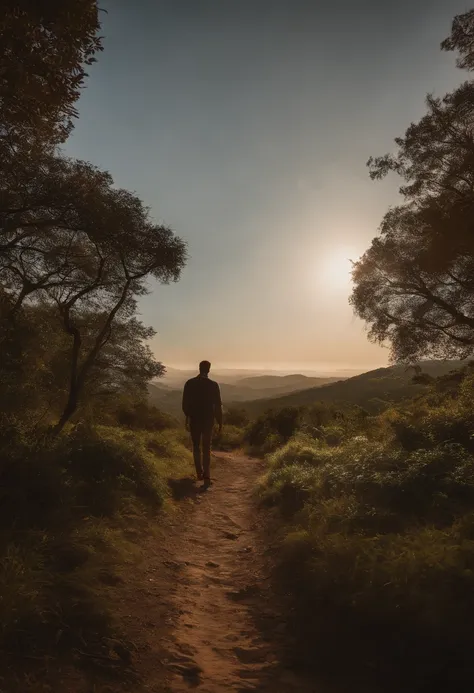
204,367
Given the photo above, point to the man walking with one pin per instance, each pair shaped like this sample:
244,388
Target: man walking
202,406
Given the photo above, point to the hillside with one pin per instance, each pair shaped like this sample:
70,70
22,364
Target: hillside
176,377
371,390
168,398
283,383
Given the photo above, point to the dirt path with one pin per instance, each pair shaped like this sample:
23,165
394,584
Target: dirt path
224,633
195,600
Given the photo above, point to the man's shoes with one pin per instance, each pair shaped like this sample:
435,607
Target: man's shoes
207,482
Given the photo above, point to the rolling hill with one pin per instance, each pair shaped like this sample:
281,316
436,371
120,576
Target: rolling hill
371,390
168,398
283,383
245,378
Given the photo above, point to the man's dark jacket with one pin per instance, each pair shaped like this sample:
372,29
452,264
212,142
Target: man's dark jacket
202,400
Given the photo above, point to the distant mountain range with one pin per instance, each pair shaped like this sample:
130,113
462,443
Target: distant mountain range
166,394
283,382
175,378
372,390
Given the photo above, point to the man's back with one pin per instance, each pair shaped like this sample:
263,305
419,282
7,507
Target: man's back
201,406
201,399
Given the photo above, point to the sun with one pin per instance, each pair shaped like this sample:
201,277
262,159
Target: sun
335,269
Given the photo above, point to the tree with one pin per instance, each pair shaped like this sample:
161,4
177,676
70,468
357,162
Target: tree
236,417
74,250
45,206
462,40
73,241
415,285
45,48
126,364
36,363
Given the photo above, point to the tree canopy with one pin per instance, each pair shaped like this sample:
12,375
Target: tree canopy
415,284
462,40
73,242
45,48
76,252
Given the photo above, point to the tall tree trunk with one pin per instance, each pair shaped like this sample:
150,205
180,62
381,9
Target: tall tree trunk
79,375
74,388
69,409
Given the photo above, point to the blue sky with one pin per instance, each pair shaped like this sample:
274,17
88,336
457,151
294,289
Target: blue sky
245,125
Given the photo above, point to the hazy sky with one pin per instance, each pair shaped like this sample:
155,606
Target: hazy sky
245,125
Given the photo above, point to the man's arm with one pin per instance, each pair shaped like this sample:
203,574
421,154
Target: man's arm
185,403
218,406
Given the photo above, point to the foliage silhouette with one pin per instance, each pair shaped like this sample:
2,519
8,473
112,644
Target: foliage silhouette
85,249
414,285
76,254
46,46
374,535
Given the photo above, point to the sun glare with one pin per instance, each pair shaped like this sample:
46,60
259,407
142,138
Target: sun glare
334,270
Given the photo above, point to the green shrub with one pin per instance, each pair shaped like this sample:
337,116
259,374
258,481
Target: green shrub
425,485
447,424
42,609
107,468
230,438
62,504
333,435
299,451
272,442
324,422
272,429
236,417
379,541
290,488
399,603
143,416
84,472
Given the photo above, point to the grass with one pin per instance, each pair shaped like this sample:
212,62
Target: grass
231,438
378,544
66,508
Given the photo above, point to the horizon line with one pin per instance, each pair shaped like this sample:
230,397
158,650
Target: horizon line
293,368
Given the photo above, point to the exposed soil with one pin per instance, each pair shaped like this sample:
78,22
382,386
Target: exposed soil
201,611
195,603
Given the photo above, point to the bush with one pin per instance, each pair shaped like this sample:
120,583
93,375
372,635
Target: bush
427,485
396,605
236,417
84,472
333,435
272,429
109,468
144,416
379,542
325,422
299,451
61,511
450,423
230,438
45,607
